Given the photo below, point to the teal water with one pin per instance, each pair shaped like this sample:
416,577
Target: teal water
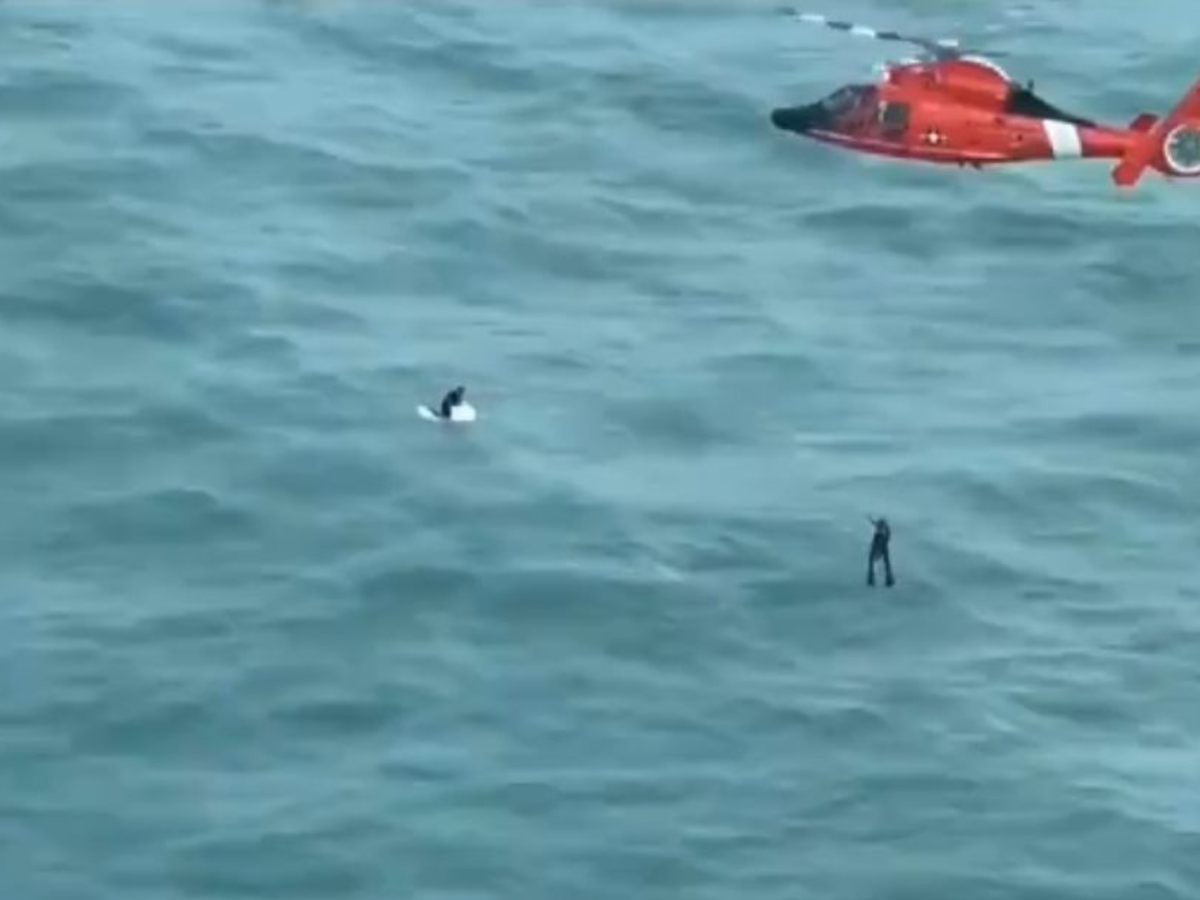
266,634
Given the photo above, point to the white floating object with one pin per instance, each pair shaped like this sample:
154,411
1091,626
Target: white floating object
464,412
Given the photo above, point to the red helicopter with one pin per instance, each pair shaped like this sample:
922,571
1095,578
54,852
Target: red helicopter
954,107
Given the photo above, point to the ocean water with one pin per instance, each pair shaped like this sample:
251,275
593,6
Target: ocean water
267,634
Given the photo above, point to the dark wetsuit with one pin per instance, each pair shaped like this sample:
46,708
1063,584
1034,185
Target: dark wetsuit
879,550
451,400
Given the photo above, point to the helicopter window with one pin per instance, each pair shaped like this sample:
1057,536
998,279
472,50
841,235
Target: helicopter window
893,118
843,99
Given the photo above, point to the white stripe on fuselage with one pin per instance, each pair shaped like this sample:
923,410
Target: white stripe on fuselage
1064,139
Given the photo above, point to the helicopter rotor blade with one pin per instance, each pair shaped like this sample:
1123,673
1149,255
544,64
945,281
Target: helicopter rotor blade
940,50
943,49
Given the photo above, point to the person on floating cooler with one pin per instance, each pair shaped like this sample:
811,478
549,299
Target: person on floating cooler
452,400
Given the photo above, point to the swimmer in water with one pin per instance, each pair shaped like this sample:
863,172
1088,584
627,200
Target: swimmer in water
451,400
879,550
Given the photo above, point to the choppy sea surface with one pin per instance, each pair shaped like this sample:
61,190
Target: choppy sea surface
264,633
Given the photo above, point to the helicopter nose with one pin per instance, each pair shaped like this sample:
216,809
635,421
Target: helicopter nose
798,119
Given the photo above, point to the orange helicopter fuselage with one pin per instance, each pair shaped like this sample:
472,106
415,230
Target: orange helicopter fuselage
964,111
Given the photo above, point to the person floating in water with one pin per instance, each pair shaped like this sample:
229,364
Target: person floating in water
451,400
879,550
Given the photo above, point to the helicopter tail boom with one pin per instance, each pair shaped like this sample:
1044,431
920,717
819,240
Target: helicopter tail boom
1170,145
1143,122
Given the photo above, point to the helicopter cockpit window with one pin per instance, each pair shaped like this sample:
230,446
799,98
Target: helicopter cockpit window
842,100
